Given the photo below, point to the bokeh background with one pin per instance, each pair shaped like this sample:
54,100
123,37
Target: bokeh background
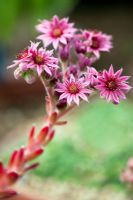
85,159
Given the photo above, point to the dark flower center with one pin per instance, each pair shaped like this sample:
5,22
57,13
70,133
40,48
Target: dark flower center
57,32
95,43
111,85
38,59
22,54
73,88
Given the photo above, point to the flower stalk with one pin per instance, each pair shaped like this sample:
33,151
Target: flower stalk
68,78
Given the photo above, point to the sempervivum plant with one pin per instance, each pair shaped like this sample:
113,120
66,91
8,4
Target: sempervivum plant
62,60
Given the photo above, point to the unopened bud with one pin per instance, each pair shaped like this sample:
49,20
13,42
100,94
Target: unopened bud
62,104
64,52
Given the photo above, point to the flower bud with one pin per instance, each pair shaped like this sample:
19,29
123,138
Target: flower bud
84,61
80,47
64,52
17,73
62,104
29,78
53,82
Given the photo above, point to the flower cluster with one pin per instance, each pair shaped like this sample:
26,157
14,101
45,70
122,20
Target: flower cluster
67,69
112,85
34,60
63,63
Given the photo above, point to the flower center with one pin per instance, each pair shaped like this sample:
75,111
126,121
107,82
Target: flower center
57,32
73,88
95,43
112,85
38,59
22,54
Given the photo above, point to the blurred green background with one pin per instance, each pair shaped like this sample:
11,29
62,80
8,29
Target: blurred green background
15,12
94,147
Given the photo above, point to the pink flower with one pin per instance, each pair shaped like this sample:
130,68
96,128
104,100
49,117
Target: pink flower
98,41
55,31
72,90
92,76
41,59
112,85
35,59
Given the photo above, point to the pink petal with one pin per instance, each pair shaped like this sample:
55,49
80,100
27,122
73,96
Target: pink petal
55,43
76,99
118,73
69,99
39,70
111,70
83,96
63,40
121,94
63,96
47,70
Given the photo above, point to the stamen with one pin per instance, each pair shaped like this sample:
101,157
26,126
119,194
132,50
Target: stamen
95,43
38,59
57,32
112,85
73,88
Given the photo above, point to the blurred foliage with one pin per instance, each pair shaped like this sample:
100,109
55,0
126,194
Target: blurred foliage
100,150
13,11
